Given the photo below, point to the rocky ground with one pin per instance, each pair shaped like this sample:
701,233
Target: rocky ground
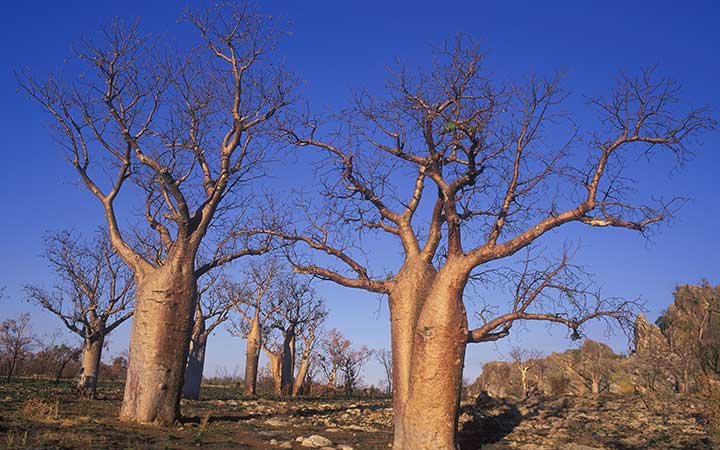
44,415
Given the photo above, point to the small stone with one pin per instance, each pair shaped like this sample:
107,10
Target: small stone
276,422
316,441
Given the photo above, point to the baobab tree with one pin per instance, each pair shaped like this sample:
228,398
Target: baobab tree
334,347
465,172
190,129
254,305
522,360
384,357
213,309
308,334
299,312
593,362
94,294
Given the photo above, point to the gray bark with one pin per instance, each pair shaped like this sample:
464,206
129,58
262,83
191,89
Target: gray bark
196,361
91,355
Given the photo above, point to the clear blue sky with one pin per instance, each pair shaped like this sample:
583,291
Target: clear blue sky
338,45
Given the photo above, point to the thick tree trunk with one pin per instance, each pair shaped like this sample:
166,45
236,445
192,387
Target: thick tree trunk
196,361
92,353
430,417
276,371
288,364
302,372
164,309
252,357
405,300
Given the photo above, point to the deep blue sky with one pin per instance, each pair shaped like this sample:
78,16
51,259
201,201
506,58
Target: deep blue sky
338,45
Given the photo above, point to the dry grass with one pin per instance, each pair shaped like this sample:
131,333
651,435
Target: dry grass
38,409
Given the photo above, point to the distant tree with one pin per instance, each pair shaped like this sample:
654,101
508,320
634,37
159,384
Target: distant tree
334,348
593,362
255,306
94,294
384,357
16,343
523,360
190,130
52,358
298,311
213,308
351,366
118,368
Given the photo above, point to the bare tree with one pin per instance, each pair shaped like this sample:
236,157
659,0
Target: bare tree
593,362
52,357
334,346
16,343
523,360
308,345
255,307
298,312
190,130
351,367
213,309
481,153
94,294
384,357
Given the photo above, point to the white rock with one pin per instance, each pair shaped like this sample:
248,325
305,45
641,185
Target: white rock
316,441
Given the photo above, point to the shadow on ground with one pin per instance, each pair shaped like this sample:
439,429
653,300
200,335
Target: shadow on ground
491,419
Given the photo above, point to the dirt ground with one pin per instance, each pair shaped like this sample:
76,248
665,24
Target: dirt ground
44,415
40,414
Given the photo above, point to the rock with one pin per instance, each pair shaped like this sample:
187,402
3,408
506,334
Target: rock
316,441
344,447
580,447
276,422
285,444
270,433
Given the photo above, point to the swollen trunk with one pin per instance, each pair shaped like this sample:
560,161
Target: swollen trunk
92,352
195,363
276,371
164,308
405,300
252,358
302,371
430,417
288,364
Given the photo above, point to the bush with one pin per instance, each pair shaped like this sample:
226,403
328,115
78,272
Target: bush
559,385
